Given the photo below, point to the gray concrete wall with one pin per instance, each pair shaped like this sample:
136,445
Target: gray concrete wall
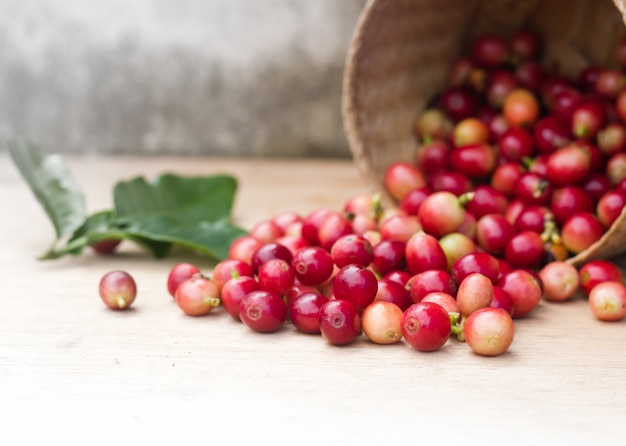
216,77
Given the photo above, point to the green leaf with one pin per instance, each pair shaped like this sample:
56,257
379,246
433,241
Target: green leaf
94,225
193,212
53,185
180,198
101,226
209,238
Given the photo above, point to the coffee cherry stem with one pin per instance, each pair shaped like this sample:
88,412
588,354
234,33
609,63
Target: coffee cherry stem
213,301
550,232
541,187
466,198
457,322
377,207
122,302
527,161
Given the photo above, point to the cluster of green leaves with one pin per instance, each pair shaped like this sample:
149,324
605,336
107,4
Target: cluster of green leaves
193,212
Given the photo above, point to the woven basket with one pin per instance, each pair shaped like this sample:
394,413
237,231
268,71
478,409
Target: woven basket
401,51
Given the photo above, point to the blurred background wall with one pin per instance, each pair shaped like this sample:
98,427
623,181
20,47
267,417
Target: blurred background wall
215,77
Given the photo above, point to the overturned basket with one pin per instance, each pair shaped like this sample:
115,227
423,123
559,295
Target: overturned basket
401,51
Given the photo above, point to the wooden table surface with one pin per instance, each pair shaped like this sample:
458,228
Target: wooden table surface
73,372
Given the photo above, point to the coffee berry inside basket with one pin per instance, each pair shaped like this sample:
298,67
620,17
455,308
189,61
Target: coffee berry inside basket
509,137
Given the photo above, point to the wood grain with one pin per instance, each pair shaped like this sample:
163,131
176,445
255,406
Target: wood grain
73,372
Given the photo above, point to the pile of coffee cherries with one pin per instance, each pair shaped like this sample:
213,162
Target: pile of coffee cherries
518,168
